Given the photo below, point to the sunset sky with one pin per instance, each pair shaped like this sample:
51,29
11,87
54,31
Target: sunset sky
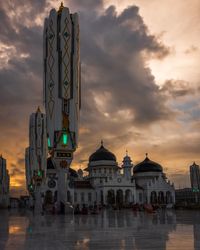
140,80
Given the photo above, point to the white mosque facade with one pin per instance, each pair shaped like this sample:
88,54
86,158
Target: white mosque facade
106,183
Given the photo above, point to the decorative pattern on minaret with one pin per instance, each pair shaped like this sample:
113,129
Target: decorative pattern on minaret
66,59
51,62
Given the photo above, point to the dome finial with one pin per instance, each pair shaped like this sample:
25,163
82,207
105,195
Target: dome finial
101,142
126,152
38,109
146,155
60,8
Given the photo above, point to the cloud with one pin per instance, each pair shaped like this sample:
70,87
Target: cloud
177,88
80,5
118,89
16,171
191,50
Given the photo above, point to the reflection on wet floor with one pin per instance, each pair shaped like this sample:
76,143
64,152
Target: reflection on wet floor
117,230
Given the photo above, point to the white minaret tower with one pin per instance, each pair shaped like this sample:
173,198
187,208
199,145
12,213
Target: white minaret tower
36,156
62,82
28,169
127,166
38,144
61,57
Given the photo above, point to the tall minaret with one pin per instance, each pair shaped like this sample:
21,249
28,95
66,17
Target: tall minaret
127,166
36,153
62,82
61,57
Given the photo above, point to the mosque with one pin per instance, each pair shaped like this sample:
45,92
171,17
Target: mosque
53,138
106,183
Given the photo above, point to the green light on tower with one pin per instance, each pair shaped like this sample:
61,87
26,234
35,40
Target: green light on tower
195,190
64,139
31,187
39,173
49,142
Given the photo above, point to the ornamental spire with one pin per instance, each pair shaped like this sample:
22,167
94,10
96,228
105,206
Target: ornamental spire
147,158
60,8
101,142
38,109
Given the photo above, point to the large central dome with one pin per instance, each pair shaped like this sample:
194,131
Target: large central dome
102,154
147,166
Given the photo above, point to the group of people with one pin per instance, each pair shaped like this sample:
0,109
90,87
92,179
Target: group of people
87,209
150,208
92,209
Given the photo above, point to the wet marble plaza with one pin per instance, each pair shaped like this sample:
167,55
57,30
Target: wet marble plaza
116,230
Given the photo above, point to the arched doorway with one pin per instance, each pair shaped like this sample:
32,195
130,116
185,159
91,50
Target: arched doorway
111,197
68,196
102,199
161,199
119,198
48,197
153,198
55,196
128,196
168,197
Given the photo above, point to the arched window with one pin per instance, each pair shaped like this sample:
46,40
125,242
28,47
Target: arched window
111,197
153,197
89,197
169,199
127,196
82,197
68,196
140,197
119,197
75,197
161,198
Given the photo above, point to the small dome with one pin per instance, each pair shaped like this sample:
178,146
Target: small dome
102,154
147,166
194,164
80,172
73,173
127,162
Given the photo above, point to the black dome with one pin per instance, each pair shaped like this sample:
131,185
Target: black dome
147,166
102,154
73,173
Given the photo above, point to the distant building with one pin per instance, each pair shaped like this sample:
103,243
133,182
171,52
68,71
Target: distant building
186,196
195,177
4,183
